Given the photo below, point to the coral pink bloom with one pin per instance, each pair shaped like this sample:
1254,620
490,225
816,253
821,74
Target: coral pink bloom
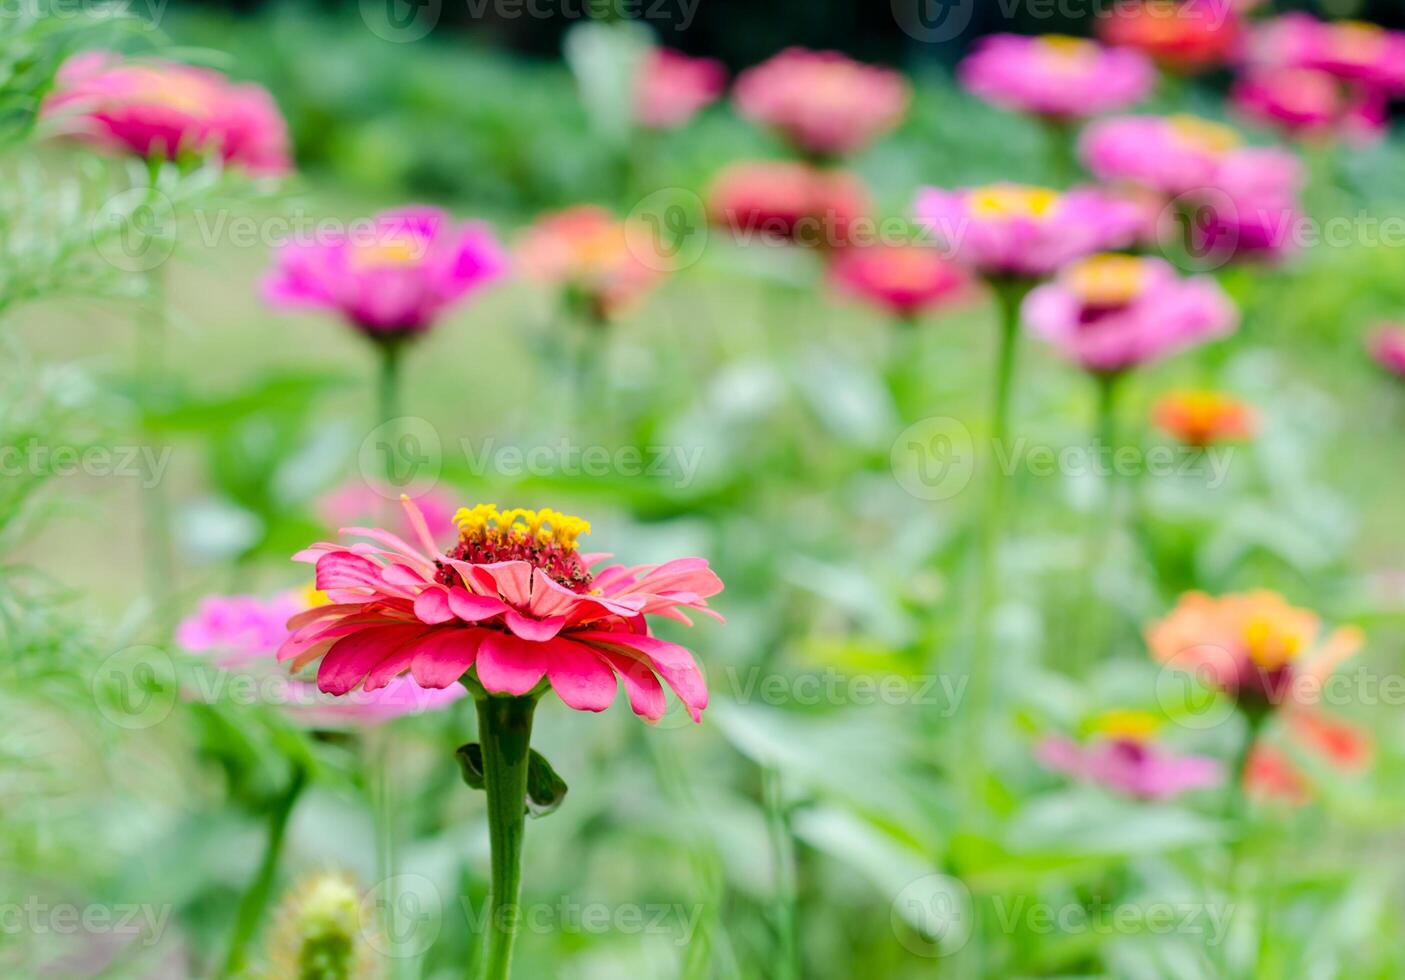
1353,51
1203,418
1272,774
245,632
1170,154
674,87
1311,104
605,264
1109,313
391,276
904,280
1015,230
1253,646
356,503
787,203
1123,756
824,103
513,601
1186,36
1387,346
1059,77
163,109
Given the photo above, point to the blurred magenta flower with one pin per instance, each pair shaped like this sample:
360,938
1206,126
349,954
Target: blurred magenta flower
1109,313
1387,346
784,202
600,262
513,600
1253,646
1182,36
1170,154
165,110
357,503
1123,756
1311,104
1203,418
1055,76
391,277
245,632
823,103
1354,51
674,87
1014,230
1252,211
903,280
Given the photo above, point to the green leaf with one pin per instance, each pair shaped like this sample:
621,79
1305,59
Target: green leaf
470,758
546,790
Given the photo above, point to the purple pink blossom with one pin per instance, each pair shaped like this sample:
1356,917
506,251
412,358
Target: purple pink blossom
1059,77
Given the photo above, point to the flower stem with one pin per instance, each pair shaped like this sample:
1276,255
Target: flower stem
388,401
255,900
156,511
787,964
1105,522
505,734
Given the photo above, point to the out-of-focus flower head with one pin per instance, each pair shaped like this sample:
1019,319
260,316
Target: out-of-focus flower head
1253,646
1121,754
161,109
1056,76
1170,154
1387,346
1014,230
1203,418
1108,313
1179,35
1271,773
673,88
1354,51
392,276
1308,103
599,262
1252,211
823,103
784,202
902,279
318,932
513,600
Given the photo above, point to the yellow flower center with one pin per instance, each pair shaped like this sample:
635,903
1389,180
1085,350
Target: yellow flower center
1063,52
400,252
312,597
1108,280
1123,723
545,526
1013,201
1201,134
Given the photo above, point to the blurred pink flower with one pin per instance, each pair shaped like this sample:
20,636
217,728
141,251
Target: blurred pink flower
1387,346
245,632
162,109
513,600
1170,154
1056,76
391,277
787,202
1180,35
595,258
904,280
1251,212
674,87
1354,51
1016,230
823,102
1109,313
356,503
1311,104
1130,763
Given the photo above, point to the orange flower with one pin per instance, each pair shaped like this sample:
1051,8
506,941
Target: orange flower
1203,418
606,263
1272,774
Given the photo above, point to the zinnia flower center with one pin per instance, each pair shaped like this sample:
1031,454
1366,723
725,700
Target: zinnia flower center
1269,644
1108,281
1063,52
392,254
1125,725
1201,134
545,539
1013,201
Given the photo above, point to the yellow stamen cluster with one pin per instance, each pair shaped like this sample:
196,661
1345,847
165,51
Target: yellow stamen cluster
545,525
1013,200
1108,280
1204,135
1124,723
1063,48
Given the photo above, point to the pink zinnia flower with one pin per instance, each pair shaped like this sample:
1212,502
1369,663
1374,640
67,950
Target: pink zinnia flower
1170,154
1109,313
1309,103
1251,212
783,202
1016,230
1056,76
903,280
512,600
1387,346
163,109
1122,756
597,260
674,87
1353,51
391,278
1180,35
823,103
245,632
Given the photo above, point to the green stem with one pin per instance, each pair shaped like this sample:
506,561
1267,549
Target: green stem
388,389
156,511
505,734
1105,522
787,964
255,900
1063,162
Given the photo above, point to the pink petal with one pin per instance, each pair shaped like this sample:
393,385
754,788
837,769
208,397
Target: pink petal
344,570
474,608
510,665
579,676
417,521
643,688
673,663
320,612
512,579
536,630
352,657
445,655
432,606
